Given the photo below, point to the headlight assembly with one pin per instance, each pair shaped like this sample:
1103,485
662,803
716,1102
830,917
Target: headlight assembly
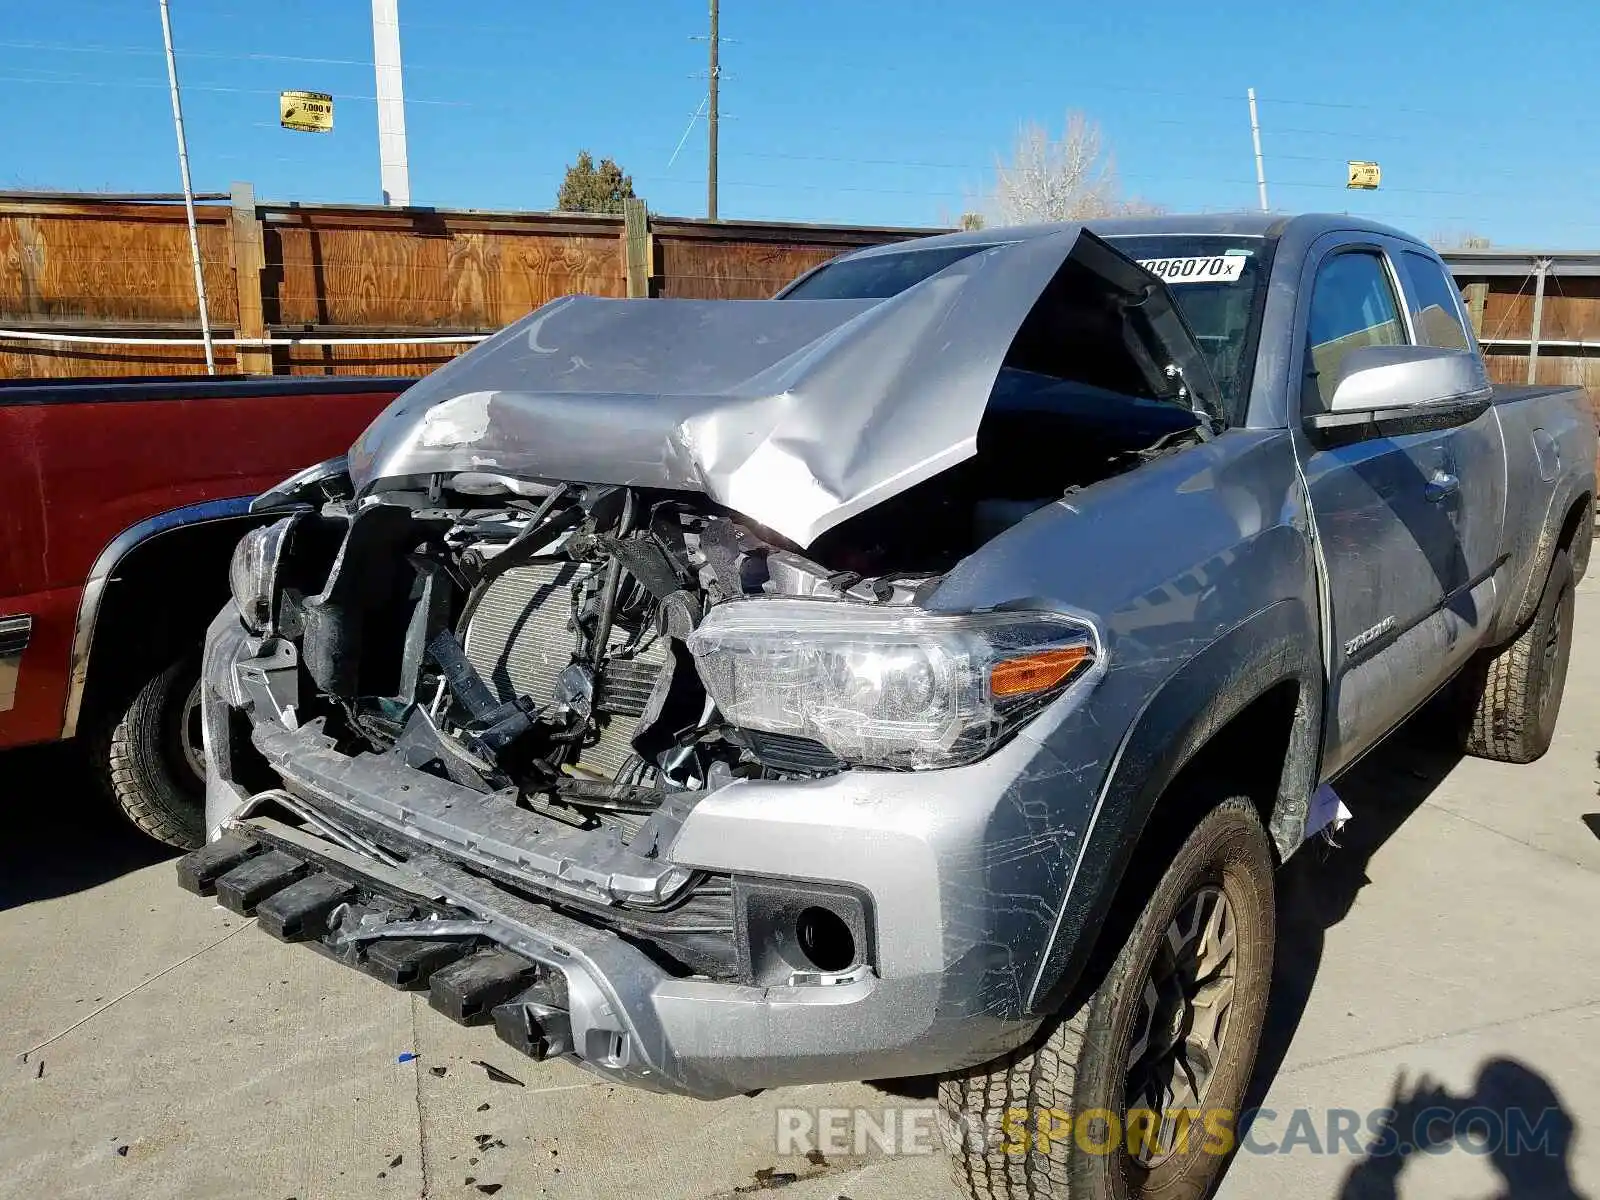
253,573
899,688
318,482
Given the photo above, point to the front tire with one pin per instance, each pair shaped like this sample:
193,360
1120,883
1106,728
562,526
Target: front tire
148,757
1174,1024
1515,695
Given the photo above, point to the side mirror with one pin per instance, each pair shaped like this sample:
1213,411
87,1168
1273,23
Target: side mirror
1420,385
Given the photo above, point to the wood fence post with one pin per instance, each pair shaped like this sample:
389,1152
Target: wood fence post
636,246
249,263
1477,296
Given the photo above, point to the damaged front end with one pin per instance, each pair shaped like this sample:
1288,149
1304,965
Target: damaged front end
649,782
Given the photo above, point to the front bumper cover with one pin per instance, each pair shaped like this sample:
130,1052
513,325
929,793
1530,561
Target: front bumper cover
963,868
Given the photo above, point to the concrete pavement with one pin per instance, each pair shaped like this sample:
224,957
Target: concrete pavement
1449,951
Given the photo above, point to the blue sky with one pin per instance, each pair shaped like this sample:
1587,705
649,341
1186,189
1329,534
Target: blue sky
891,112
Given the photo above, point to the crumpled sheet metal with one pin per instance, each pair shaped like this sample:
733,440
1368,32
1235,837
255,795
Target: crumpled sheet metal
796,413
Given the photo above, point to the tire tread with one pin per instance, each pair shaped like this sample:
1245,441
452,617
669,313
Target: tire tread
1505,721
130,765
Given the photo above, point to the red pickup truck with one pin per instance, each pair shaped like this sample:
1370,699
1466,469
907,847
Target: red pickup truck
120,503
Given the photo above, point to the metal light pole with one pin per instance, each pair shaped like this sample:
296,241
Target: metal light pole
188,190
393,166
1255,134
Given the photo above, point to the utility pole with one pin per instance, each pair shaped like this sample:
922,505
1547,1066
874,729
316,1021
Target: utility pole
1255,134
711,124
1541,268
188,190
394,171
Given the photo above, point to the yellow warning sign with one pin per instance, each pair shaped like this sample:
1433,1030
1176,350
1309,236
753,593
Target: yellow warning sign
309,112
1365,175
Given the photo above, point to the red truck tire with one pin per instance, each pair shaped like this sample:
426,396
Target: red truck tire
148,757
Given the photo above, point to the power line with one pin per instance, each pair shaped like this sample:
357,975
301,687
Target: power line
954,166
476,70
40,77
1153,177
225,56
46,76
1149,177
243,91
143,51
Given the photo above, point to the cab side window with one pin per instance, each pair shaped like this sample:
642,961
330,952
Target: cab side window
1352,305
1435,303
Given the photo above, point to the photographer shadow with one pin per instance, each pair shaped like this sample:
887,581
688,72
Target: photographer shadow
1512,1117
1317,889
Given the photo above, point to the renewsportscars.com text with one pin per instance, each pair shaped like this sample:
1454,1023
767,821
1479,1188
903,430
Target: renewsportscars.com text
1375,1133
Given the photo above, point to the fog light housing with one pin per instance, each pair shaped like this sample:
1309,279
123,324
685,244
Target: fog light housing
794,933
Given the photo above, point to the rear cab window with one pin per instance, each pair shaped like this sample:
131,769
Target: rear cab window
1435,303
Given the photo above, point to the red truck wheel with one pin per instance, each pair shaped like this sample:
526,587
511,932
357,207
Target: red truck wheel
149,757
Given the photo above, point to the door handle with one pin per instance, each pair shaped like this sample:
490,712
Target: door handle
1442,485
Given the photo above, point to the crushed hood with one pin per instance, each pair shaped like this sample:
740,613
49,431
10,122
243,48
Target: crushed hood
797,413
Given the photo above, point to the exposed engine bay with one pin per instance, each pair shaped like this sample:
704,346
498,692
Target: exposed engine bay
530,638
543,644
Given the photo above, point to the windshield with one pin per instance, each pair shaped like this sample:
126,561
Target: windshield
1218,282
878,276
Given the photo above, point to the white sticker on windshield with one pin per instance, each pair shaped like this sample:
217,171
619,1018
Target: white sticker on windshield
1216,268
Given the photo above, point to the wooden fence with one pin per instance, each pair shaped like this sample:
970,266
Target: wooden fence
106,268
1513,321
109,268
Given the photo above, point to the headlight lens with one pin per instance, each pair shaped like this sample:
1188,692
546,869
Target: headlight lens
253,573
883,687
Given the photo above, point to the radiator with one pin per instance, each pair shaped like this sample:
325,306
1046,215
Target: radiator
520,642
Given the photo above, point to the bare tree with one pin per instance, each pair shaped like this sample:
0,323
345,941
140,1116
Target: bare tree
1071,178
1461,240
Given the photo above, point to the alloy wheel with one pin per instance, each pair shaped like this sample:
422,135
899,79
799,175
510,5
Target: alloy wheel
1182,1021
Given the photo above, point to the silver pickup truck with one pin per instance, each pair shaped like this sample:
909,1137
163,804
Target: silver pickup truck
919,673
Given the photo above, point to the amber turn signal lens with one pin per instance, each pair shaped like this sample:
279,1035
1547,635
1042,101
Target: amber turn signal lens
1037,672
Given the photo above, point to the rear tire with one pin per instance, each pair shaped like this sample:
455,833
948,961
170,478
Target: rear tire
1514,695
148,757
1026,1125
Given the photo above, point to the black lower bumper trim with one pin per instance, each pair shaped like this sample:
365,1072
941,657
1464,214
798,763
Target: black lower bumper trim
300,912
199,872
253,880
409,963
467,991
294,896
